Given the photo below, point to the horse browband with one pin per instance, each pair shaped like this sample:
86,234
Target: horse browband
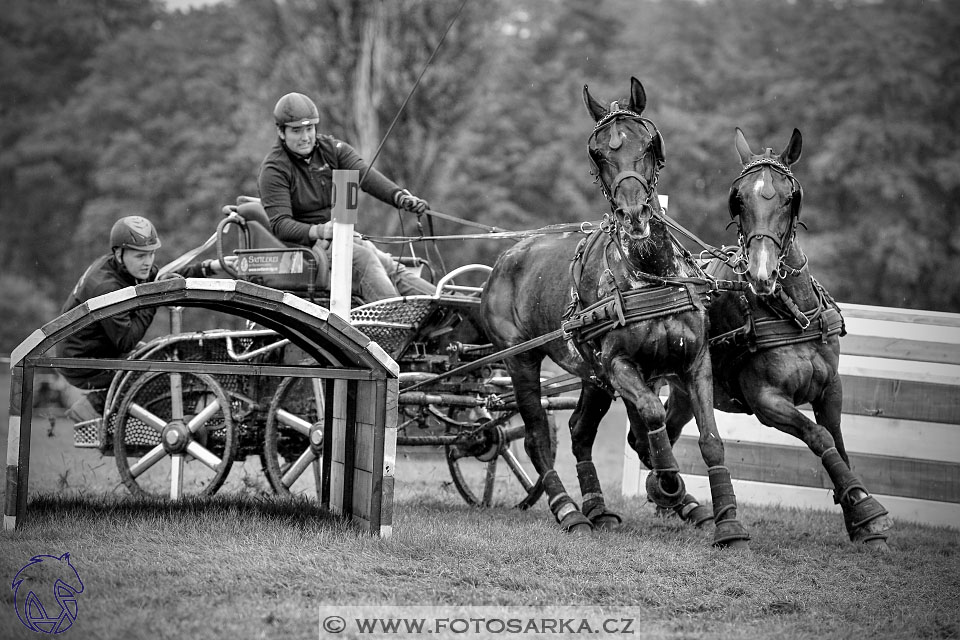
620,113
753,165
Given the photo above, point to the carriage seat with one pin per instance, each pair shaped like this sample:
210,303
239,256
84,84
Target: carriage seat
264,259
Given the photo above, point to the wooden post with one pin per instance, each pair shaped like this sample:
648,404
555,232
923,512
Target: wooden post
346,190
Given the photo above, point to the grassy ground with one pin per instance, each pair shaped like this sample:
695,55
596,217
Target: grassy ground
243,565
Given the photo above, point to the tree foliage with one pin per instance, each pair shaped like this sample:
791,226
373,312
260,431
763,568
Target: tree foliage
119,107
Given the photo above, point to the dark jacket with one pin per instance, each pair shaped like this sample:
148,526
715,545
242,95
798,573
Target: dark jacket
296,192
112,337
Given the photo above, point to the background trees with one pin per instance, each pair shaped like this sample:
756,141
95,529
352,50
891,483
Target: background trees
116,107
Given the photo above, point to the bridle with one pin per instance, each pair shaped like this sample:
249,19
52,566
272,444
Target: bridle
656,147
784,242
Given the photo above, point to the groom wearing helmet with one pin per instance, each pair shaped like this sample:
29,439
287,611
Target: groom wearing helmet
295,183
133,245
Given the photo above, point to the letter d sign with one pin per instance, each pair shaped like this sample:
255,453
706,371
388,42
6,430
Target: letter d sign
346,192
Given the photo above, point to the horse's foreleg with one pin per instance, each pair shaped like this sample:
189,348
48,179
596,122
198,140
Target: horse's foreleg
593,404
864,517
729,532
648,423
866,520
679,413
525,374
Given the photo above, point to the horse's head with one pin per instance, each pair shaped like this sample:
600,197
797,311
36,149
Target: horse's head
626,151
765,203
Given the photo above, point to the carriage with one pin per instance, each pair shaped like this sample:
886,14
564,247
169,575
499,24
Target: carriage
195,425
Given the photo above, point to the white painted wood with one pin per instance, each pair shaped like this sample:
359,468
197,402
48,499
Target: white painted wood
901,330
892,369
345,184
909,316
861,434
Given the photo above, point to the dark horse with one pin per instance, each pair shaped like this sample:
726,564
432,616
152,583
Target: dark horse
776,344
626,317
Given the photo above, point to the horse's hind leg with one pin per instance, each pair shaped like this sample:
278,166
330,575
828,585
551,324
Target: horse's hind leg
525,374
593,404
864,517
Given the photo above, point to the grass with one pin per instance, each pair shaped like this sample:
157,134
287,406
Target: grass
246,565
243,566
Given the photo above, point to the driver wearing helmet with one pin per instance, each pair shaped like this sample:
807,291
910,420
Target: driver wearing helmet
133,246
295,183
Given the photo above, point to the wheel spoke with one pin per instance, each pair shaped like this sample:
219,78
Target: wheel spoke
297,468
176,476
489,482
204,455
154,422
201,418
293,421
149,459
176,396
517,469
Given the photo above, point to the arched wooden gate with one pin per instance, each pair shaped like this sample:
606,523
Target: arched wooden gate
359,440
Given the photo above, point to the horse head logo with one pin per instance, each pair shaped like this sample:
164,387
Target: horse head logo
41,577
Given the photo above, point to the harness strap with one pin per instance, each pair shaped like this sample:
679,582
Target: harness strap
636,305
767,333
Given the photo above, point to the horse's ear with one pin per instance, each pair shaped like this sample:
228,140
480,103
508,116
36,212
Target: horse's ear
791,153
594,108
638,97
743,149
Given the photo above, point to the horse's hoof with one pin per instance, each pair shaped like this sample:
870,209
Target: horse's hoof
865,516
730,534
608,520
577,523
873,531
690,511
738,544
878,544
661,495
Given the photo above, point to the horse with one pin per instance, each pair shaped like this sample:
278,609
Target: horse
628,318
775,343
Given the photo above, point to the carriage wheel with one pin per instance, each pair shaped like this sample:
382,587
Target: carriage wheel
293,437
174,435
481,480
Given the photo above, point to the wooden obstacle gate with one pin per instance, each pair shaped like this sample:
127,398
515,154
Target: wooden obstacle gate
901,426
361,423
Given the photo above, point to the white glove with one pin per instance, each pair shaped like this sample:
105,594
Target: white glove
322,231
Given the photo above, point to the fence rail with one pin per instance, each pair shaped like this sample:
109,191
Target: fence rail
901,425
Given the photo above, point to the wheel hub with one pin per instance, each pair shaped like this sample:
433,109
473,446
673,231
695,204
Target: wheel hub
495,442
175,437
316,438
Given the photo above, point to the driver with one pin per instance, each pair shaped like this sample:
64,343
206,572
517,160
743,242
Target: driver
295,189
133,247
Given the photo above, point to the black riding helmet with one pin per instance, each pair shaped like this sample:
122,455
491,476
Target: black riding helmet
295,110
134,232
